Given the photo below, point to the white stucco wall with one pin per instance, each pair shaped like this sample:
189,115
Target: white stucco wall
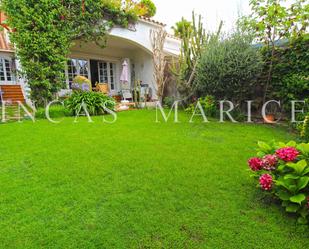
141,36
144,70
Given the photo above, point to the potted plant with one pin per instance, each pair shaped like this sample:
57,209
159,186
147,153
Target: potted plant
271,112
81,83
118,97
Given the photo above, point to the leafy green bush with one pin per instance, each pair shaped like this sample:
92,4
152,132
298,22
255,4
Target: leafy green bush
150,6
94,101
208,104
55,111
168,102
283,170
290,79
228,69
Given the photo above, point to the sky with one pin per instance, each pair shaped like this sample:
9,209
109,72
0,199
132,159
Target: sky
171,11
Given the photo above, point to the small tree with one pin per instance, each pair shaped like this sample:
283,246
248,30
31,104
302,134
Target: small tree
157,38
228,69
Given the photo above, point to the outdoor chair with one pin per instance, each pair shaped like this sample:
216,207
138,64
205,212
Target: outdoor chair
126,91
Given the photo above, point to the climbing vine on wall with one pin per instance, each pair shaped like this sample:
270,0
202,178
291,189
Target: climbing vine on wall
44,31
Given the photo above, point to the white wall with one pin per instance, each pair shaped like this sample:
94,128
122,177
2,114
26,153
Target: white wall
144,70
141,36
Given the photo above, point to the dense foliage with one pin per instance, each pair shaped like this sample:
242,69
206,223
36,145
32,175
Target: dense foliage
228,69
183,28
151,8
283,170
290,80
95,102
208,104
44,31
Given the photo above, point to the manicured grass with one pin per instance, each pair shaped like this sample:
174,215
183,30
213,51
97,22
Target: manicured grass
137,184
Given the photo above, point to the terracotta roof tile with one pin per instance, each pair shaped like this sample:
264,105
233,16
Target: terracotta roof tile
147,19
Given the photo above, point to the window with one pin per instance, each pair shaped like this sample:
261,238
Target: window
112,69
77,67
103,72
107,72
6,70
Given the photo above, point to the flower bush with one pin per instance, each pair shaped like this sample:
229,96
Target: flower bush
283,171
255,163
266,182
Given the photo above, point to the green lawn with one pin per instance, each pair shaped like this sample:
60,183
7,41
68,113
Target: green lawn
137,184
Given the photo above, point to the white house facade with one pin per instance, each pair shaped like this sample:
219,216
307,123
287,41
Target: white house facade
99,65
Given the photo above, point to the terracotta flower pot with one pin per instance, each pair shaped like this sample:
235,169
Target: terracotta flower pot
269,118
117,98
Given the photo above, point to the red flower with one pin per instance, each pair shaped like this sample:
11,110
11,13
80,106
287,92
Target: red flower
308,202
255,163
270,162
266,182
287,154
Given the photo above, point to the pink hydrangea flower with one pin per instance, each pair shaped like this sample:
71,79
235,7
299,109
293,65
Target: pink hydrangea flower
270,162
287,154
266,182
255,163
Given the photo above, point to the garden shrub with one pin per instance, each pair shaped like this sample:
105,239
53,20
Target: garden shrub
283,171
290,80
94,102
208,104
228,69
305,129
168,102
55,111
